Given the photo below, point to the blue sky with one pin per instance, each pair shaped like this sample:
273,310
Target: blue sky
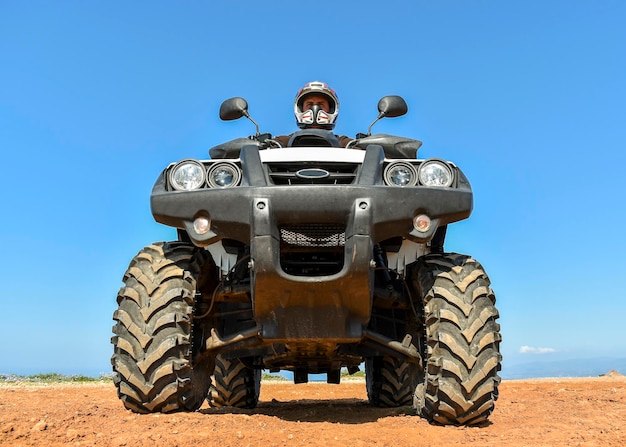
96,98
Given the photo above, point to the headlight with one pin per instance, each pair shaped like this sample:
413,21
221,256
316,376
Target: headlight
224,175
187,175
435,173
400,173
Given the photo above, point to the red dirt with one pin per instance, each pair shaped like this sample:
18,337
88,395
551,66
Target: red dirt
547,412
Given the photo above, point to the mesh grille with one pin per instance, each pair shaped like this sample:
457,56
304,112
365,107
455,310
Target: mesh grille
313,235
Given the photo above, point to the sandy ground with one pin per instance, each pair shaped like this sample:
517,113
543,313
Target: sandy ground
547,412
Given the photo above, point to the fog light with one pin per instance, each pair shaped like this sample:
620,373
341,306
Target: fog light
224,175
421,223
400,173
202,225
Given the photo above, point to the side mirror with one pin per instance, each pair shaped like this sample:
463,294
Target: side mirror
392,106
389,107
233,109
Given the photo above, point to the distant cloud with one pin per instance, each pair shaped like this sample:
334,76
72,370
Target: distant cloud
535,350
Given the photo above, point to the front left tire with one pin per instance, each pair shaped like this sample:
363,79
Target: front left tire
462,355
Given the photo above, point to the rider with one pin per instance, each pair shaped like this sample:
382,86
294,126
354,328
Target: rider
316,107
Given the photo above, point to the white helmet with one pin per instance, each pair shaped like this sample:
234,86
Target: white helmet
315,117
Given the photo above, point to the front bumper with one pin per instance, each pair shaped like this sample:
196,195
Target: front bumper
336,306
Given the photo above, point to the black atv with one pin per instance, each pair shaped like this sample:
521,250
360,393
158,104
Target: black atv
313,259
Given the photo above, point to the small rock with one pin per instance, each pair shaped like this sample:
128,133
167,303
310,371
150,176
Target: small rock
71,434
119,442
39,426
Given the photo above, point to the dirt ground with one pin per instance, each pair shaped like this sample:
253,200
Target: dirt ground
546,412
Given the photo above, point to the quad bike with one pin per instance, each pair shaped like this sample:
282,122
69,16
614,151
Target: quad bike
313,259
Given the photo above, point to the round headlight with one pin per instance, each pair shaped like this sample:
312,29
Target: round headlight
187,175
224,175
435,173
400,174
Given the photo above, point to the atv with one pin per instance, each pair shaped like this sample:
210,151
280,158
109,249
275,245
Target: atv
312,259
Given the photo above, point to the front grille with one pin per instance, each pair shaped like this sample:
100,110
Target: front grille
338,173
313,235
312,250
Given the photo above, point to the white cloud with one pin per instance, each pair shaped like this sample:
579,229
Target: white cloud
535,350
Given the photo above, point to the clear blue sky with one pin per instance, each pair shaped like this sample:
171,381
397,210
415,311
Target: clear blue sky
528,98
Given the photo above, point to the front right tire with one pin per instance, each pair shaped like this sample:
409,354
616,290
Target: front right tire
156,340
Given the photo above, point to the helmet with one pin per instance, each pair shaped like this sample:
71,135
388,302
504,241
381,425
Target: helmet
315,117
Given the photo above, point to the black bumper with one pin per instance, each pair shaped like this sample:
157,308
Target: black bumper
337,306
